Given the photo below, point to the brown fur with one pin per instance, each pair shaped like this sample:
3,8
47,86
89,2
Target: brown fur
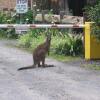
39,54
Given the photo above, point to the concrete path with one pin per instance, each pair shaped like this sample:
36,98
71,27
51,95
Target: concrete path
63,82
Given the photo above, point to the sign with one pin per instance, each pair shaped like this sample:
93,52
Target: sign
21,6
20,29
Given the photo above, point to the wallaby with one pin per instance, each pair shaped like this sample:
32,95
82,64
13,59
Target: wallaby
39,54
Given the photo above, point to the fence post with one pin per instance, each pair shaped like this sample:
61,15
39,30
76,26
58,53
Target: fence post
87,39
92,45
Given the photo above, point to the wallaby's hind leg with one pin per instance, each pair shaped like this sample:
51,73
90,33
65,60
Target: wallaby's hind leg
43,62
35,63
39,64
45,65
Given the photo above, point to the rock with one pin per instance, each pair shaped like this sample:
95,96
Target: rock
56,19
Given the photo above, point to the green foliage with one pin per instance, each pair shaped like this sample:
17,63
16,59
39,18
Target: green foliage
70,45
6,18
7,33
96,30
36,41
33,36
93,66
67,44
37,32
24,18
25,39
93,13
29,17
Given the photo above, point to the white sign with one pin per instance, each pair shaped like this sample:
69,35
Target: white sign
21,6
21,29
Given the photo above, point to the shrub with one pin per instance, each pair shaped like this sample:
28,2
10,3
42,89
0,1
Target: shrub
37,40
71,46
4,19
93,13
24,40
31,39
67,44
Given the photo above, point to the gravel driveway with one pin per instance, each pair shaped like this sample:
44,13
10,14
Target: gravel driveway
63,82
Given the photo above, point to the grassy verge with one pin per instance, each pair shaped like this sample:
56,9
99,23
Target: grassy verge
64,58
2,36
93,66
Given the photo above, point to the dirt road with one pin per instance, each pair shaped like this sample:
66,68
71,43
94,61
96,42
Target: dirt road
63,82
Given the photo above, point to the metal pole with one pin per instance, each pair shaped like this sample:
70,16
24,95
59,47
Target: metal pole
43,25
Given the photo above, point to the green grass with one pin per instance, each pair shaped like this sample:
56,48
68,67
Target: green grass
63,58
93,66
2,36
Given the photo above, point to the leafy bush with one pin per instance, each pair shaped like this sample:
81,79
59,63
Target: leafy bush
30,39
26,18
93,13
36,41
61,44
24,40
4,19
71,46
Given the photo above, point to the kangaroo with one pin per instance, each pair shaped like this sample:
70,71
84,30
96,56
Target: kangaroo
39,54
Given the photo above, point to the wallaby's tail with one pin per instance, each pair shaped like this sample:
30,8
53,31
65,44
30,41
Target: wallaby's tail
28,67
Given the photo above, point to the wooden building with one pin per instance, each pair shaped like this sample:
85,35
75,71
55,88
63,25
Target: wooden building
9,5
6,5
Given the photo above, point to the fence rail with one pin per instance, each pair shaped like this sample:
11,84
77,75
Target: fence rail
42,26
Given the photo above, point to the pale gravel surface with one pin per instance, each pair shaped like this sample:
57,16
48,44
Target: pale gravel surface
66,81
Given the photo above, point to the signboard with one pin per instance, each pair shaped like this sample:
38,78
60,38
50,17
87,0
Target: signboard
21,6
20,29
